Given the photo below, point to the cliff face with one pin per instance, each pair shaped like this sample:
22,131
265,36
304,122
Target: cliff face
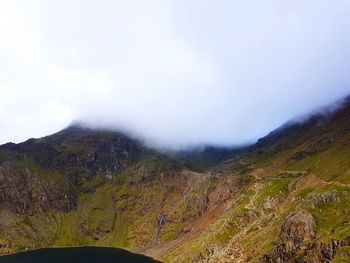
78,153
298,242
26,192
41,180
49,173
285,199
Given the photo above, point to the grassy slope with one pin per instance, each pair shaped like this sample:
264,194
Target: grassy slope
302,167
121,212
249,228
305,168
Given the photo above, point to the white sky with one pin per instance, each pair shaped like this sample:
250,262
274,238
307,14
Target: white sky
173,72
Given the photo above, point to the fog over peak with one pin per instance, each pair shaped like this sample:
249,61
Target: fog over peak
174,73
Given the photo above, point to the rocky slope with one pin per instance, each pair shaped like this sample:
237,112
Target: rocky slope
291,201
42,181
285,199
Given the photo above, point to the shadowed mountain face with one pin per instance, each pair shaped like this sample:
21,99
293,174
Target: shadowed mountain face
79,153
202,159
50,172
318,130
284,199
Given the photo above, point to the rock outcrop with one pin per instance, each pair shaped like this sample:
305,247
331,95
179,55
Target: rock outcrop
26,192
298,228
298,242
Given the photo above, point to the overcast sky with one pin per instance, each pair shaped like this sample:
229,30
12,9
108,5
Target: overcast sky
177,73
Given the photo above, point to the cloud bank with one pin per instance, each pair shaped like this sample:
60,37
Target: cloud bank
175,73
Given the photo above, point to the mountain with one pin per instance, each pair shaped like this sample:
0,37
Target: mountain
291,198
284,199
44,181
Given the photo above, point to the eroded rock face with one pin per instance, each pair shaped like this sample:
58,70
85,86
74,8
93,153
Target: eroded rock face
79,153
25,192
325,198
298,228
298,242
221,193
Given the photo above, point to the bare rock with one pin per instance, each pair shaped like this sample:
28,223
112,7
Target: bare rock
298,228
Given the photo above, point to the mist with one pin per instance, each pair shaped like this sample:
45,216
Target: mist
173,73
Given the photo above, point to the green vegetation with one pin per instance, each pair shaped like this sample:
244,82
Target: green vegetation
79,188
274,189
342,255
327,165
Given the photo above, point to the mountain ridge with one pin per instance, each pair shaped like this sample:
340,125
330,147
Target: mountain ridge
285,198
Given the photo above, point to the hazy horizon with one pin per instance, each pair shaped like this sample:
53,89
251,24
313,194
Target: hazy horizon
173,73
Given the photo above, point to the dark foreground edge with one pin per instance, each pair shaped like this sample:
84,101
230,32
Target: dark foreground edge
76,255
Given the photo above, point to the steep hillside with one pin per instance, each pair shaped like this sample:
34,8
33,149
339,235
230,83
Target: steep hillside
292,201
88,187
45,182
285,199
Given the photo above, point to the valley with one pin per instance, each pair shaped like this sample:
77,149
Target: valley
284,199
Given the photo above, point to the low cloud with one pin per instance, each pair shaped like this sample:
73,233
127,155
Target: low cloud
175,73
